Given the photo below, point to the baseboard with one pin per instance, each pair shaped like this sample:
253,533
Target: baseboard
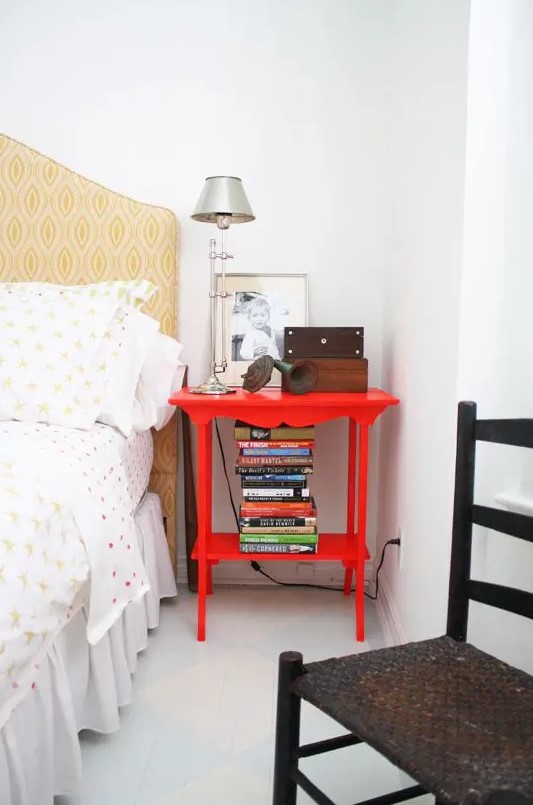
389,616
330,574
181,575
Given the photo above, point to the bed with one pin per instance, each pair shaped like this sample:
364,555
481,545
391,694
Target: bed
87,515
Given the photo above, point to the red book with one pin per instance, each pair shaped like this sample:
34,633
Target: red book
272,443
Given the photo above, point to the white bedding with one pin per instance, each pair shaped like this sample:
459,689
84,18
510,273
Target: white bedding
79,686
137,455
66,540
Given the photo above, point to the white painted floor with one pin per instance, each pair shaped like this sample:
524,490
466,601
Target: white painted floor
201,727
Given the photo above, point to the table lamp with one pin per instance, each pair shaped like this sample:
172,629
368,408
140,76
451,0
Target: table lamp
223,202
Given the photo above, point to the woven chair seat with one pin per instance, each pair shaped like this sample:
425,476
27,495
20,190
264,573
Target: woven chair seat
456,719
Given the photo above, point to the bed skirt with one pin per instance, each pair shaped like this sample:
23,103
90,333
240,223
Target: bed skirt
81,686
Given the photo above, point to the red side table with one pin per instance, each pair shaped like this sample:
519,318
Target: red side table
268,408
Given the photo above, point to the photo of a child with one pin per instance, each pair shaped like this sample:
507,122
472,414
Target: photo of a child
254,332
259,338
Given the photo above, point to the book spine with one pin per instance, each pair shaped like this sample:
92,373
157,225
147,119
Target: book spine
244,432
274,484
289,539
273,478
275,443
267,523
287,507
276,510
274,533
251,461
263,547
272,492
265,498
276,451
273,470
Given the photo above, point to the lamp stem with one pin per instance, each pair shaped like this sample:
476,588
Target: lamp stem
223,357
212,303
213,385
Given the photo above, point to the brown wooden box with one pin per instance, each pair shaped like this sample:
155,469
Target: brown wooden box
324,342
336,374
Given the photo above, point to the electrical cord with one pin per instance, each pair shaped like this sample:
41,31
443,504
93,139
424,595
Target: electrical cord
226,473
257,567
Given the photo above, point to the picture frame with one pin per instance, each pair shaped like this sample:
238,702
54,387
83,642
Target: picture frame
255,312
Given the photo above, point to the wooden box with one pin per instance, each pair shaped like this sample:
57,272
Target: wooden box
336,374
324,342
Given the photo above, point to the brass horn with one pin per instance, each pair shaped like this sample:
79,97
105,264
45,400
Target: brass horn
298,377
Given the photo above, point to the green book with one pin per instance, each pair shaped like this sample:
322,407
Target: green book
279,539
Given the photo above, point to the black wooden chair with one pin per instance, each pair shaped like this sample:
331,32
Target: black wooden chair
454,718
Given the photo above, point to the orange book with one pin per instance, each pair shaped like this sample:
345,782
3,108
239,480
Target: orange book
299,509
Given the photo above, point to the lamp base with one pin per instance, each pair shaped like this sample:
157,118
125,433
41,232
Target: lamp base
212,386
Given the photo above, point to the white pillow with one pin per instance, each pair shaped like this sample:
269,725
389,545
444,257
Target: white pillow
138,333
162,373
56,355
166,411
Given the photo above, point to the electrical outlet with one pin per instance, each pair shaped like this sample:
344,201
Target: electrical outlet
401,546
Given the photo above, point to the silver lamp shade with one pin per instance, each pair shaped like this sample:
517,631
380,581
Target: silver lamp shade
223,197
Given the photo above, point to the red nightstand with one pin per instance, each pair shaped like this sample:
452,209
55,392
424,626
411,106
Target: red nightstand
268,408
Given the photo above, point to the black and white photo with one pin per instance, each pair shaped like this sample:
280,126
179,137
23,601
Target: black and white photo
257,309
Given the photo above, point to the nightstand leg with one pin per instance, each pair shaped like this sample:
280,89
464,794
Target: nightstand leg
348,580
361,535
350,497
204,508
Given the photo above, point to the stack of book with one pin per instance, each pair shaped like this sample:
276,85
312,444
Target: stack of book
277,514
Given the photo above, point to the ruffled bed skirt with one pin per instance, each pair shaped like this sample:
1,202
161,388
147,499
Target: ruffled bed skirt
81,686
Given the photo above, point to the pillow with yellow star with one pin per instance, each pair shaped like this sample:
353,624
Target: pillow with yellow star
58,352
127,293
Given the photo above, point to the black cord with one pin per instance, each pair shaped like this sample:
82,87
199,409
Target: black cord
394,541
226,474
257,567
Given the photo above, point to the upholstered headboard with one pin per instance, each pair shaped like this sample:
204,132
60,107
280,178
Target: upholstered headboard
57,226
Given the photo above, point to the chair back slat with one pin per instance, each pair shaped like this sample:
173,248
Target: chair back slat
462,589
462,522
497,595
517,432
517,525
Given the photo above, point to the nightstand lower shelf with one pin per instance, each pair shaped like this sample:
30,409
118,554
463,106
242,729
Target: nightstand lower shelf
331,547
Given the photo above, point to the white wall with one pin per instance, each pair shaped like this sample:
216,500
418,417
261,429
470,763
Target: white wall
151,96
496,349
457,312
427,103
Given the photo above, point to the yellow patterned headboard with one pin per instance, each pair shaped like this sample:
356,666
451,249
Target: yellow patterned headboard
57,226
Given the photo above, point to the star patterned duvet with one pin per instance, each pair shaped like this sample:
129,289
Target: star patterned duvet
66,540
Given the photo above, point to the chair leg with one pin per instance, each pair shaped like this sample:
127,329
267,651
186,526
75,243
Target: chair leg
287,728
